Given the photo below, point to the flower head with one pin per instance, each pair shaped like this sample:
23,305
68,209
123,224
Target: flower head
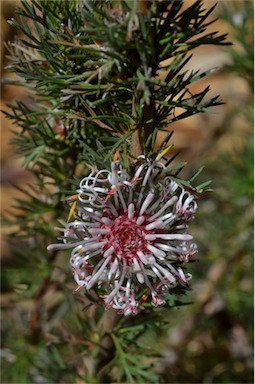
129,233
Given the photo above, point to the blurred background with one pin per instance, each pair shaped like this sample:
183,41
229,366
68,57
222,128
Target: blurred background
210,340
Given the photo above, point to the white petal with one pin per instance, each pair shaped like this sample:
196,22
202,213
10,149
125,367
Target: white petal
131,210
170,219
150,237
142,257
168,236
145,180
55,247
155,224
96,245
146,202
175,272
140,277
124,205
166,247
97,275
165,206
112,208
107,221
166,273
137,270
109,251
140,220
154,205
136,265
157,252
146,259
151,259
117,287
165,217
113,268
182,275
98,231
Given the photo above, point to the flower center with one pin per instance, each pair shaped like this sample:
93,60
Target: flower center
127,238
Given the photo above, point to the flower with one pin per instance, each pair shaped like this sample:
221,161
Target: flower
129,233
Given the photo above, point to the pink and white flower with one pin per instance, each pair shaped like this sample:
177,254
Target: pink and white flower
129,233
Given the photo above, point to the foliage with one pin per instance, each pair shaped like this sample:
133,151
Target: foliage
239,16
93,71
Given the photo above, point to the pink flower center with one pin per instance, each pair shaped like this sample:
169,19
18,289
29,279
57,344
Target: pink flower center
126,237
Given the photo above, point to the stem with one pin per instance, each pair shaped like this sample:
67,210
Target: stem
135,148
143,5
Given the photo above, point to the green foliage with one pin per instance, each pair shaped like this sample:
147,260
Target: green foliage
224,230
239,16
86,64
96,72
